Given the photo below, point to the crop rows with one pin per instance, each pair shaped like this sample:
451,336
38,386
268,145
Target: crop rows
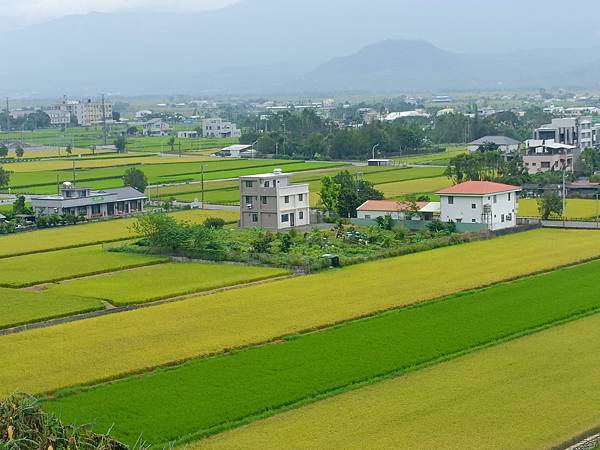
539,391
231,388
84,352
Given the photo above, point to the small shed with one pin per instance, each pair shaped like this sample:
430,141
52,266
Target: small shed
380,162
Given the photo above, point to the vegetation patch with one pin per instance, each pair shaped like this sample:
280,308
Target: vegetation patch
153,283
83,352
21,307
90,234
226,390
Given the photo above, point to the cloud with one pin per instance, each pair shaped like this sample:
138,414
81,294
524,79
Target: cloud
28,11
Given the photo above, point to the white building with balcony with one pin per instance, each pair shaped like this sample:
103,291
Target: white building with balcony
218,128
269,201
483,202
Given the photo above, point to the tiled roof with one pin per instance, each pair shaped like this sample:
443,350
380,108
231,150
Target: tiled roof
387,205
478,188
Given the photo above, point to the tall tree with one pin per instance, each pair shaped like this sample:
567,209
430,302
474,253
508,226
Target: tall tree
121,144
135,178
19,151
3,151
550,204
330,193
4,177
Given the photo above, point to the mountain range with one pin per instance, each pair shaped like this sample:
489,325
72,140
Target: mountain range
305,46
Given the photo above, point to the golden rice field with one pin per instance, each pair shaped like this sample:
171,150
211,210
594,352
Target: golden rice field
424,185
577,208
88,234
112,346
534,392
66,164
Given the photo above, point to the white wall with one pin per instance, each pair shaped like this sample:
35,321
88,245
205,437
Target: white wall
504,209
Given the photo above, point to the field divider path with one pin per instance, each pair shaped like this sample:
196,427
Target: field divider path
113,309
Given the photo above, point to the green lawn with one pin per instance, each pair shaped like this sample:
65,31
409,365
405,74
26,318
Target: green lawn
163,281
208,394
28,270
19,307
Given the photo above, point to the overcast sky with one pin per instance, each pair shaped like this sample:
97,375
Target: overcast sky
23,12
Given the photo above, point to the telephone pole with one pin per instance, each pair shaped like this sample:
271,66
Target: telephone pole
7,117
202,182
104,121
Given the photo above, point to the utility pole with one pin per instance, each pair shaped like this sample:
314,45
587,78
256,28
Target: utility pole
564,195
7,118
73,172
202,182
374,147
104,121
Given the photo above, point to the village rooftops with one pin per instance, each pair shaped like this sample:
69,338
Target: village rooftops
120,194
478,188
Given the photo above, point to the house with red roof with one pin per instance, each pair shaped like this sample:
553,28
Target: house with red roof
484,202
372,209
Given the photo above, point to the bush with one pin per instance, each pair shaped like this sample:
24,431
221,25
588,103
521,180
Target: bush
214,222
25,426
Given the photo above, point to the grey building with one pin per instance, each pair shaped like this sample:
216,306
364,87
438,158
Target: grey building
505,144
577,131
78,200
269,201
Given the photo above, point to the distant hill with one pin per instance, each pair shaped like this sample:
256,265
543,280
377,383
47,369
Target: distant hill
407,65
275,46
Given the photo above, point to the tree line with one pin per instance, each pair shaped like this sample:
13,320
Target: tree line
307,135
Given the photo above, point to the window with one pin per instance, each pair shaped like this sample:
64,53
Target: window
509,217
286,199
502,218
249,184
300,197
248,200
473,220
301,215
495,199
509,196
255,218
367,216
473,206
266,184
451,200
273,183
285,217
263,200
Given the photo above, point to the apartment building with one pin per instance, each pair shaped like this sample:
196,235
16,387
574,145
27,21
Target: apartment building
92,113
577,131
58,117
218,128
269,201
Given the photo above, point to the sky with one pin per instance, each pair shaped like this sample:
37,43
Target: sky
24,12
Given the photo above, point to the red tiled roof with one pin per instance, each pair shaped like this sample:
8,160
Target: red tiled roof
478,188
387,205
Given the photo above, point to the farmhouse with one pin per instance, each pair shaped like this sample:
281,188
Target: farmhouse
505,144
235,151
218,128
156,127
269,201
371,209
187,134
484,202
82,201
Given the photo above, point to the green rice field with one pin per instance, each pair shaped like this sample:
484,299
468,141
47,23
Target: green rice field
147,284
28,270
19,307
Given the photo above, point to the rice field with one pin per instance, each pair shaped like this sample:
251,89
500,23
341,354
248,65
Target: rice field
222,391
536,392
45,182
147,284
19,307
83,352
442,158
47,267
89,234
403,188
577,208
